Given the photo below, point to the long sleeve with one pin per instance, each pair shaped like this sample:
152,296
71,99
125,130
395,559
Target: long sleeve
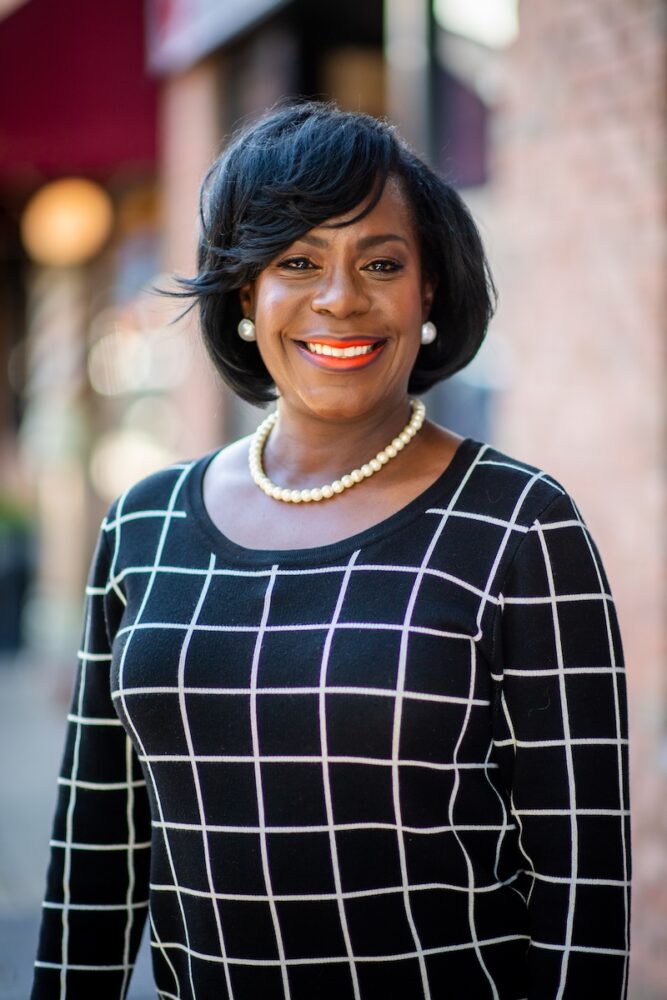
97,883
561,721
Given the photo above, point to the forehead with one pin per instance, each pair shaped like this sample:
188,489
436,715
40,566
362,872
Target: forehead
391,214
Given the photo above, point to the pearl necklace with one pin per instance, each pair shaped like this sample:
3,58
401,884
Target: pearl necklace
261,435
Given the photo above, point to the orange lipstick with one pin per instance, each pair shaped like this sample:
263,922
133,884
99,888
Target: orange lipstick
342,355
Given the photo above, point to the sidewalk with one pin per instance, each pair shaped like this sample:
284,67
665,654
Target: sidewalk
32,722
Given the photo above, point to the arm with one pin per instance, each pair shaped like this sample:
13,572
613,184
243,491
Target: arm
562,748
97,883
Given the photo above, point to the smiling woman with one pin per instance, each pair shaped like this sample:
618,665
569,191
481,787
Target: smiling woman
350,716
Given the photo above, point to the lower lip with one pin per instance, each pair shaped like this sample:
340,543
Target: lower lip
342,364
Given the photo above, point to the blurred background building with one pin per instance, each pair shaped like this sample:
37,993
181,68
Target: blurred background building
551,121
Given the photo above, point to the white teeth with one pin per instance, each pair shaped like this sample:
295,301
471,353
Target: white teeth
338,352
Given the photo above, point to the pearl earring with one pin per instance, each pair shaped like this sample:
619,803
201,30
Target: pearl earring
429,332
246,330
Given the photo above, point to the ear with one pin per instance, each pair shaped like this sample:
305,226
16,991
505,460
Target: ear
247,299
428,293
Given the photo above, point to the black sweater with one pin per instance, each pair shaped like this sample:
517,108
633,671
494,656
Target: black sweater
394,766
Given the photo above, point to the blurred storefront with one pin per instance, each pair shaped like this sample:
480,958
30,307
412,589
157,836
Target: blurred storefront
78,237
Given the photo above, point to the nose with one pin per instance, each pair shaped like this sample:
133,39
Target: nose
340,293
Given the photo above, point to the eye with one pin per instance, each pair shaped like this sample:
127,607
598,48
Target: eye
296,264
383,266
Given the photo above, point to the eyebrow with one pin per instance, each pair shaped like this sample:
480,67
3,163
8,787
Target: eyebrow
363,244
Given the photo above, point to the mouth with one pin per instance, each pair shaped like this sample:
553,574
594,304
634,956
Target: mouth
341,355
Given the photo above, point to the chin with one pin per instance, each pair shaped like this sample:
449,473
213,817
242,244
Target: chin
344,404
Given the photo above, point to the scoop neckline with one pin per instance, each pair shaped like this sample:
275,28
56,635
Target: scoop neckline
441,489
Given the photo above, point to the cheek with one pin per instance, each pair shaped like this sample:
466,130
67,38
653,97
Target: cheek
275,302
275,311
411,310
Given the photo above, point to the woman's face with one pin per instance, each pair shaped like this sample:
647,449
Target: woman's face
338,313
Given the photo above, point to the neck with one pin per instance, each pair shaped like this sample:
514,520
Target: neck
305,450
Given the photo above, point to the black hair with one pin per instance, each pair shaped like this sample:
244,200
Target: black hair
298,166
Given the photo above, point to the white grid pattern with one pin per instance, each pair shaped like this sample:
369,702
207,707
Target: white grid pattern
380,767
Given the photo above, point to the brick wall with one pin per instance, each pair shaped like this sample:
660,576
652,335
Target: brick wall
579,171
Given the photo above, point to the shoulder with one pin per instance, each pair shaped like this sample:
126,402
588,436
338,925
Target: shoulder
521,516
543,539
162,486
152,520
154,495
503,486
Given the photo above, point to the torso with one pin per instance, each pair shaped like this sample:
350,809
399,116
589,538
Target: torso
246,516
316,726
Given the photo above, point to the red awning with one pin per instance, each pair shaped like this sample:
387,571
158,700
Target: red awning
76,97
183,31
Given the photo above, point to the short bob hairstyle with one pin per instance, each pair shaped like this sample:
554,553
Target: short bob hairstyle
298,166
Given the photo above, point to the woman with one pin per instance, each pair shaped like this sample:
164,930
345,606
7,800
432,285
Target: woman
351,696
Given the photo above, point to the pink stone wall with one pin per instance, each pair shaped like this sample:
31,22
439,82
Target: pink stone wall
579,181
